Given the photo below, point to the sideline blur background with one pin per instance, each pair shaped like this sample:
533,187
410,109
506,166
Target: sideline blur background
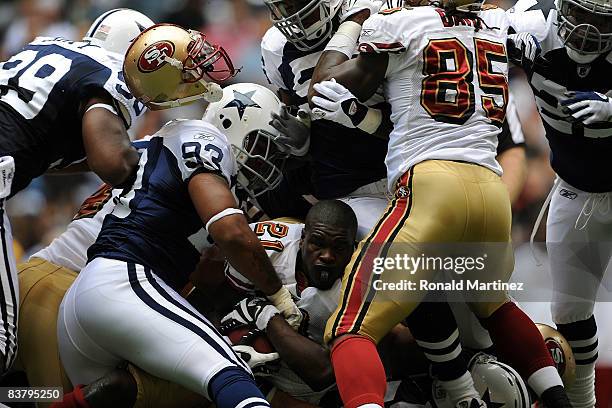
43,210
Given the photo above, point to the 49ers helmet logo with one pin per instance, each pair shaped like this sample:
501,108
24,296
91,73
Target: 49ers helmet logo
154,56
557,354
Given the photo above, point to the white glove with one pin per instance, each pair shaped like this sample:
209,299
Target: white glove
284,302
523,49
253,311
258,362
350,7
338,104
7,171
588,107
294,131
262,364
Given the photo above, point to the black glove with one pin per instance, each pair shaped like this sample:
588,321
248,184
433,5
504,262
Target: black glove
294,131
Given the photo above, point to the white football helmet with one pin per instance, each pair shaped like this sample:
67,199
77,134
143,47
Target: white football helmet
497,383
116,29
243,115
305,23
585,27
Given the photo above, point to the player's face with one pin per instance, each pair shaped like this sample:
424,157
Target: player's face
590,30
325,253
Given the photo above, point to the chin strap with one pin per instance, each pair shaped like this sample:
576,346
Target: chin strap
213,93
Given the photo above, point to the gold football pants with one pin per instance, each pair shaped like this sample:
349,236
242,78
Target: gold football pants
436,203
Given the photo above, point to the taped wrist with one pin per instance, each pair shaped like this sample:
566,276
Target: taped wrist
345,39
363,117
282,299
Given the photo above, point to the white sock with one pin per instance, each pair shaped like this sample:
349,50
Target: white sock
582,392
543,379
461,388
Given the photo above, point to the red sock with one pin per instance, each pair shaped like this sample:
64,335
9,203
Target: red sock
360,375
74,399
517,340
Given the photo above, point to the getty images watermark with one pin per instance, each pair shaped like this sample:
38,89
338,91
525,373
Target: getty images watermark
437,273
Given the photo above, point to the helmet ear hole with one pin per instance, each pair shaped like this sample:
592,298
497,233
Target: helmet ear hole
226,123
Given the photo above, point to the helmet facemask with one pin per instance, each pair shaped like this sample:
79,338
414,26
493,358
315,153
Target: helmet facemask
585,27
205,58
259,163
307,26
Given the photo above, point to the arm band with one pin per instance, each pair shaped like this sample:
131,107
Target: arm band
103,106
345,39
224,213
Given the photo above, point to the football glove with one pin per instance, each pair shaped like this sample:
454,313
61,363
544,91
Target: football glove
284,302
338,104
7,171
261,364
253,312
294,131
523,49
351,7
588,107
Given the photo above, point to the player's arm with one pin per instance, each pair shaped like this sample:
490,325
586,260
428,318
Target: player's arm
514,163
308,359
511,152
362,75
109,152
212,197
340,84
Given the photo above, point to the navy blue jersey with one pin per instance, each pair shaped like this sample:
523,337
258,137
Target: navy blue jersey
579,154
154,221
343,159
41,90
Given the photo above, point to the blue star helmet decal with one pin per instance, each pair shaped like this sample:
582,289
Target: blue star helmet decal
486,397
242,101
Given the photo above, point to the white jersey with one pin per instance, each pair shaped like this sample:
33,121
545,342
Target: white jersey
446,82
69,250
282,244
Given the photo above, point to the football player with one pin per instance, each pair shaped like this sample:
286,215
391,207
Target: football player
44,279
346,160
310,259
126,301
572,85
443,144
301,30
63,104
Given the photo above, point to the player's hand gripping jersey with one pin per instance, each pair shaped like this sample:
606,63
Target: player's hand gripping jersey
154,220
447,88
41,89
580,153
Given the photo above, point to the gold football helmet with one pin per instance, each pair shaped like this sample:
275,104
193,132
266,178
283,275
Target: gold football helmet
561,353
167,66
